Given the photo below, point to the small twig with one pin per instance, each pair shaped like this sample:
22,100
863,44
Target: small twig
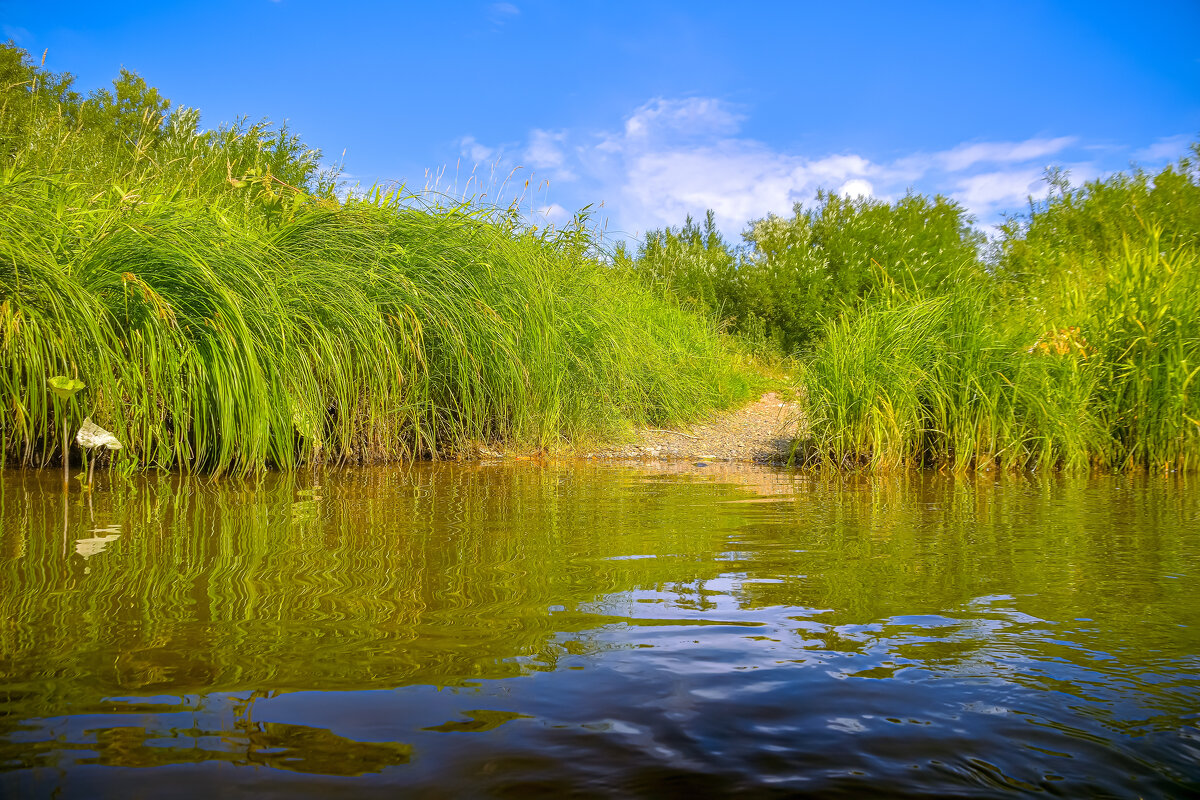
675,433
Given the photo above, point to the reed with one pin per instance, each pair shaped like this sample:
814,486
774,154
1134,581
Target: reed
961,380
371,329
228,311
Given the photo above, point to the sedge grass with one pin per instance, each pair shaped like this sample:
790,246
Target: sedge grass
944,380
373,329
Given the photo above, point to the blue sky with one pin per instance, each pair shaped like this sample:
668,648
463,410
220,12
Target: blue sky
651,111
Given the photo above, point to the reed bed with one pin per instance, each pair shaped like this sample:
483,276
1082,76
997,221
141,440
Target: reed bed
370,329
965,380
229,311
1069,341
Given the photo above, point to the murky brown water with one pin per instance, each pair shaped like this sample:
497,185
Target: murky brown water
597,630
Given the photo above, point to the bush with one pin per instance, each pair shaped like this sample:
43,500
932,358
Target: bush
795,273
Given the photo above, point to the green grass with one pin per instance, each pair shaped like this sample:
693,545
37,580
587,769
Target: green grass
957,379
367,330
228,311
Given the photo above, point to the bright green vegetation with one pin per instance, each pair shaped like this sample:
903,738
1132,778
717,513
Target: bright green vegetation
227,311
1072,342
797,272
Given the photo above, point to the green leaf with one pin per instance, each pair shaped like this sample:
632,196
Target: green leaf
63,387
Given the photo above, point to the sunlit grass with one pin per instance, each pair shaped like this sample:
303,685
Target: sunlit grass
374,329
946,380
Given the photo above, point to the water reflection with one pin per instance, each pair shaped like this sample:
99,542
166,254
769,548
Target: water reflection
612,630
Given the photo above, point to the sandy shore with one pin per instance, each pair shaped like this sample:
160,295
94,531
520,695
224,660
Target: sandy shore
762,431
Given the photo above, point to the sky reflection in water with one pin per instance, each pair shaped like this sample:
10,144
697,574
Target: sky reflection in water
600,629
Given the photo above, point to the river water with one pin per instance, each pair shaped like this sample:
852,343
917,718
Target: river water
576,629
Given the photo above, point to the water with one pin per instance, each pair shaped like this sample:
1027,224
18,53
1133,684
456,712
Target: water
597,630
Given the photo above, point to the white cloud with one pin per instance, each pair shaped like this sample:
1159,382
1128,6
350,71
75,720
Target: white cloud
1168,148
545,153
739,180
857,187
1006,188
693,116
553,214
968,155
475,152
680,157
670,158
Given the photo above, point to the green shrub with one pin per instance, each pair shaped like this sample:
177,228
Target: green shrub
796,272
954,380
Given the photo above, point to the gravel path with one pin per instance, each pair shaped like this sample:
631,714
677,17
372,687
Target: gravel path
762,431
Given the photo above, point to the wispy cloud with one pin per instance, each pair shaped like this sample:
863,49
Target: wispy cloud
1168,148
672,157
17,34
475,152
966,156
500,13
545,154
1009,188
693,117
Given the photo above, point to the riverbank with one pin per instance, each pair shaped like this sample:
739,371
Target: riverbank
763,431
371,330
230,306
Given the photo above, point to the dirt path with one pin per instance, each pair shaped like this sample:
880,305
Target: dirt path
762,431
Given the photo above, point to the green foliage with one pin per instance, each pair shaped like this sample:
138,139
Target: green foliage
130,141
30,93
373,330
935,379
64,388
1055,255
229,312
1145,325
1078,347
692,263
807,268
949,379
797,272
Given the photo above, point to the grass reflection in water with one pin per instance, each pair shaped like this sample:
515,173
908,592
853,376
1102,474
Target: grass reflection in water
604,623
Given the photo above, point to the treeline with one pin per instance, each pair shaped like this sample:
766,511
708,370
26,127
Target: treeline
1072,340
227,310
794,273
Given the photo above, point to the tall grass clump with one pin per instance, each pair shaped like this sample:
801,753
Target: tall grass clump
227,311
930,379
1078,349
1145,324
